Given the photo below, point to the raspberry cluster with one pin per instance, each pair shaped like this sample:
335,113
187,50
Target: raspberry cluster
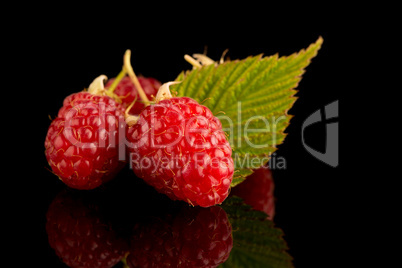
176,144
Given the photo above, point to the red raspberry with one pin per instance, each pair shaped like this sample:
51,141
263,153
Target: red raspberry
196,237
127,92
82,142
79,234
258,191
178,147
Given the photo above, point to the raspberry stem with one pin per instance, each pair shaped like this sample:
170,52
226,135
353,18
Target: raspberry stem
117,80
130,119
133,77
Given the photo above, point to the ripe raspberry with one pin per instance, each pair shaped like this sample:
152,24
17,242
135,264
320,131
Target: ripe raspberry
179,148
258,191
195,237
127,91
79,234
82,142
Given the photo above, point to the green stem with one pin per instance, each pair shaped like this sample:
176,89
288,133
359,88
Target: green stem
117,80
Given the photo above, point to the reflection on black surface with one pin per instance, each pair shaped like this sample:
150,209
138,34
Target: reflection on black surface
258,191
80,235
130,225
194,237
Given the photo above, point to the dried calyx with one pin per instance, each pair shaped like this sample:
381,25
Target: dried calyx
199,60
164,91
97,87
162,94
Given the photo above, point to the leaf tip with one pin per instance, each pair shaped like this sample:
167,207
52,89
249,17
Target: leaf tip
320,40
317,45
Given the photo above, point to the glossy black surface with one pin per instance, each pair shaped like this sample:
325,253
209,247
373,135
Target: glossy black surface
128,222
127,204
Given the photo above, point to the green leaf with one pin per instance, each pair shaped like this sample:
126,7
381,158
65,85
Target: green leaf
252,98
256,241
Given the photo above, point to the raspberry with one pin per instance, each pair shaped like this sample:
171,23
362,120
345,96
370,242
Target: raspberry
195,237
79,234
258,191
127,92
178,147
82,142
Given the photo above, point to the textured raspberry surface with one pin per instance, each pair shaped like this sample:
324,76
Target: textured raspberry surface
79,235
82,142
179,148
196,237
127,91
258,191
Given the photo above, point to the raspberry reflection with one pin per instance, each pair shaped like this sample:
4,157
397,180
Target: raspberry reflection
110,228
258,191
195,237
79,233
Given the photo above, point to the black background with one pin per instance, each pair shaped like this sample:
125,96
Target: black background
62,54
